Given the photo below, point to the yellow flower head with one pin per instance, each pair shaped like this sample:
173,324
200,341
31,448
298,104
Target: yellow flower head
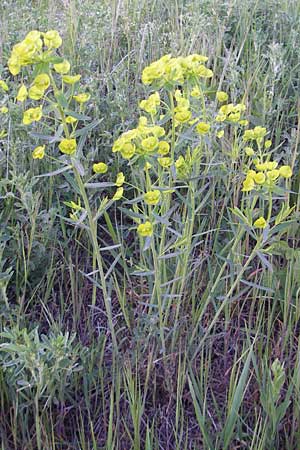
100,167
268,143
118,194
120,179
165,162
249,151
42,81
22,93
3,85
220,117
4,110
273,174
180,162
151,103
81,98
39,152
152,197
145,229
127,150
157,131
244,122
63,67
163,148
34,38
35,93
222,96
248,184
68,146
271,165
71,119
285,171
203,128
259,178
32,115
150,144
261,166
220,134
183,115
203,71
196,92
260,223
71,79
259,132
52,39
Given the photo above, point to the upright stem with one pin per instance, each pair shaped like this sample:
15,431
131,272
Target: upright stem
94,239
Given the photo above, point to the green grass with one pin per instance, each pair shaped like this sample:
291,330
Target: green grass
194,344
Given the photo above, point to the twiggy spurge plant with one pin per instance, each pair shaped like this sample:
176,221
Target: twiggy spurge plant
57,106
171,154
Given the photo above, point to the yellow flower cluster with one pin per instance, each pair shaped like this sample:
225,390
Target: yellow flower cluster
32,115
266,175
30,50
171,71
231,113
151,104
142,140
258,133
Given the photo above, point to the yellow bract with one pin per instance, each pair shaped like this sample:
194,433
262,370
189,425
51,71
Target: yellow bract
165,162
42,81
71,79
286,171
100,167
163,148
152,197
63,67
119,193
273,174
260,223
39,152
52,39
120,179
32,115
249,151
203,128
183,115
150,144
81,98
195,92
268,143
68,146
22,93
259,178
35,93
3,85
70,119
145,229
248,184
127,150
222,96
